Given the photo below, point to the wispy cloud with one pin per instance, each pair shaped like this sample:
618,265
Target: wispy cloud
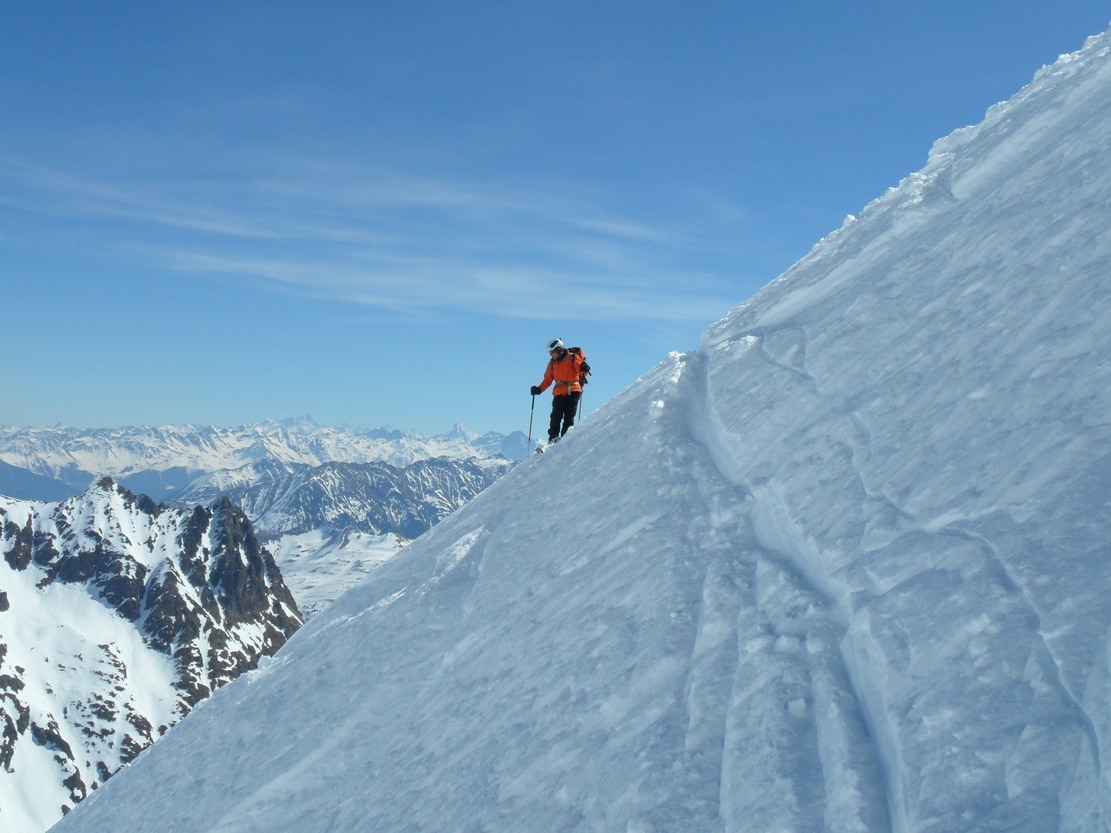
401,243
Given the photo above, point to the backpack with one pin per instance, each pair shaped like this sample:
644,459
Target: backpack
584,367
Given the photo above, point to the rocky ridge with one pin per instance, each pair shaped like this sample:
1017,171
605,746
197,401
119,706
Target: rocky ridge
118,615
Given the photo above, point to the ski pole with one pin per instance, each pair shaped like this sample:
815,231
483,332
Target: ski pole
531,412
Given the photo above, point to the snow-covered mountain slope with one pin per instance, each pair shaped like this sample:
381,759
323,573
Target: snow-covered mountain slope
194,463
118,616
845,568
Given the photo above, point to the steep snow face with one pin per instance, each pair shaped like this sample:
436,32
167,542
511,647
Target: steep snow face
116,617
845,568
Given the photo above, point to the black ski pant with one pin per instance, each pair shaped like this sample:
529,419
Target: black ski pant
563,411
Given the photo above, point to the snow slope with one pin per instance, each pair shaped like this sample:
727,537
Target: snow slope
845,568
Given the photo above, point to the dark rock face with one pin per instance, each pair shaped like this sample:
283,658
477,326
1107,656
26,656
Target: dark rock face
19,553
15,717
238,585
49,737
117,575
196,587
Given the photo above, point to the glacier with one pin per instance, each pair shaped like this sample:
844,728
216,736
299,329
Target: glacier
845,567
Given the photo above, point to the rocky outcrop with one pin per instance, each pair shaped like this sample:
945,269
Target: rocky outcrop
117,616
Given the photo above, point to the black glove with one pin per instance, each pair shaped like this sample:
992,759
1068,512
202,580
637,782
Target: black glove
535,390
584,367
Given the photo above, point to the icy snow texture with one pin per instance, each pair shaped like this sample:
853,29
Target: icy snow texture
843,569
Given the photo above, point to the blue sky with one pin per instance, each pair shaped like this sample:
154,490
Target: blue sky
379,213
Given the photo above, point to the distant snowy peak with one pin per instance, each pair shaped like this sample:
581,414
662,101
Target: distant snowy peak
359,514
117,616
460,432
19,482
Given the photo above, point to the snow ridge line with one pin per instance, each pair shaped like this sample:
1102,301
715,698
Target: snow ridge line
705,624
801,651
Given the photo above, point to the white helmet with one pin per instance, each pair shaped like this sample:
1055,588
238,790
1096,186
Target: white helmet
555,344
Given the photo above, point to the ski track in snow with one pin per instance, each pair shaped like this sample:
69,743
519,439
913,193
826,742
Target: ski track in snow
800,627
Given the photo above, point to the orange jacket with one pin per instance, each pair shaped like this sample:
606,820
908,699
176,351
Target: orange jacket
565,372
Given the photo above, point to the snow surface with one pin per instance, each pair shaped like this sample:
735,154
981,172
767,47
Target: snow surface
844,568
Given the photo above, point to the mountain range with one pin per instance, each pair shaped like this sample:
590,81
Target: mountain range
185,464
844,567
